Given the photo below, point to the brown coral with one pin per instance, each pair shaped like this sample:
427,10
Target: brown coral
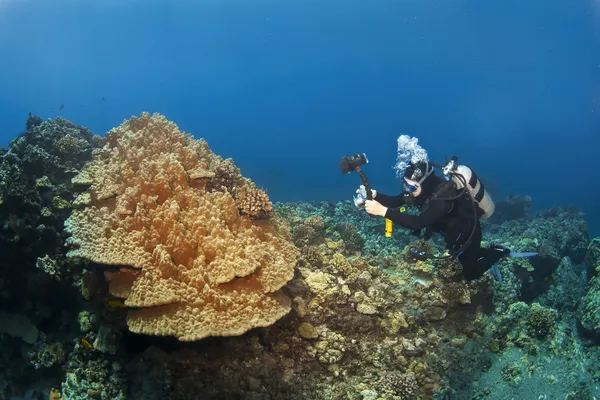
226,176
254,203
204,269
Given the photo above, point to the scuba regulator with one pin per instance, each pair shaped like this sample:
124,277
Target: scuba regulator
354,163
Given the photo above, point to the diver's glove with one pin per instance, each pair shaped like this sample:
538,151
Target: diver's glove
361,196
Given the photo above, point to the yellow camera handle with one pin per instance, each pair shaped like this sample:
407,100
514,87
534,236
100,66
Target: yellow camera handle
388,224
388,228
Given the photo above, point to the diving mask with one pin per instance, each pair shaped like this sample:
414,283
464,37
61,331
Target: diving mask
415,175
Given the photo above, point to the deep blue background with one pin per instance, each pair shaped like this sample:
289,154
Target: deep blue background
288,87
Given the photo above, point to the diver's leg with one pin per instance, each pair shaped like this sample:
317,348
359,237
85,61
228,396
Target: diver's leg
479,260
476,260
468,258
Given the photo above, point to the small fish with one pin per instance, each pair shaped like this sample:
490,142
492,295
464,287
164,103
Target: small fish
85,343
61,107
103,99
115,304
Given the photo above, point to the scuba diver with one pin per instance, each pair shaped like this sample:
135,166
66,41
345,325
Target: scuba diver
451,206
442,209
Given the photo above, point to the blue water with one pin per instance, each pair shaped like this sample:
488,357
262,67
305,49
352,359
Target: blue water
288,87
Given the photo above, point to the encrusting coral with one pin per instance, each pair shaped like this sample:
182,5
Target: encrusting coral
201,258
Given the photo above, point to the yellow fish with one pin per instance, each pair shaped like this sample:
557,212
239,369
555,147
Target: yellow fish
115,304
85,343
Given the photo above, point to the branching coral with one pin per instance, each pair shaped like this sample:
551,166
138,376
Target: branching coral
198,266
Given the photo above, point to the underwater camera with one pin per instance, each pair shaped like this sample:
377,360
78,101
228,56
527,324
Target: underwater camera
351,163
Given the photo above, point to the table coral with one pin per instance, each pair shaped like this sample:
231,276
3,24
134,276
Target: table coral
199,264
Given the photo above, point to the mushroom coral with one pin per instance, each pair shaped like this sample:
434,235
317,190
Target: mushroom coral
201,259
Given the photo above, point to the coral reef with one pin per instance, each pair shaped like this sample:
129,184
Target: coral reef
589,307
90,375
238,297
36,190
39,289
398,385
555,233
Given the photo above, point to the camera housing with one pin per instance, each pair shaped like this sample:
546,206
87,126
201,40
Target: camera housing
351,163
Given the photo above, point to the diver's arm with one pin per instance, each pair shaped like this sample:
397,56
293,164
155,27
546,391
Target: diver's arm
390,201
436,210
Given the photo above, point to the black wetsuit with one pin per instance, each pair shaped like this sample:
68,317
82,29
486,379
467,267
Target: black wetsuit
453,219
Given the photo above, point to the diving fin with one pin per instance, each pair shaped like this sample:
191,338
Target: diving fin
514,254
509,253
497,273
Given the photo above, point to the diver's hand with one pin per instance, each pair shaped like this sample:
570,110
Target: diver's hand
363,189
375,208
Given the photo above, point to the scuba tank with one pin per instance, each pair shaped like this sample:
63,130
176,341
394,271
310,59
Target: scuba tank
461,174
